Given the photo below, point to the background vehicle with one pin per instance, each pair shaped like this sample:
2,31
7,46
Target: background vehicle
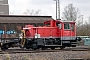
8,39
85,40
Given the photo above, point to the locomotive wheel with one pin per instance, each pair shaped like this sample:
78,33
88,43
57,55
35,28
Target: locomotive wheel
43,48
62,47
53,48
27,47
34,46
73,45
22,47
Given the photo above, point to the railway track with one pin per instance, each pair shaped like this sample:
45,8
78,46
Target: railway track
18,50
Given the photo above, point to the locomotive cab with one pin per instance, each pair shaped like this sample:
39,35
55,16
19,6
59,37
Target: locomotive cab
66,31
69,33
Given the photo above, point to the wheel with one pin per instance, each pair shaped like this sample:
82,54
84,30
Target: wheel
43,48
27,47
53,48
73,45
62,47
22,47
34,47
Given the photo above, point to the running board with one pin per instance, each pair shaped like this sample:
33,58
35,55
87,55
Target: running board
73,44
53,45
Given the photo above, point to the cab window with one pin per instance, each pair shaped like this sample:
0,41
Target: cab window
47,24
72,27
66,26
59,25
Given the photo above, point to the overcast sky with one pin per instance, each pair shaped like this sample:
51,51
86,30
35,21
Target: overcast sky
47,7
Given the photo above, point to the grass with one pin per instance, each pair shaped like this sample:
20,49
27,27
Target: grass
8,58
26,58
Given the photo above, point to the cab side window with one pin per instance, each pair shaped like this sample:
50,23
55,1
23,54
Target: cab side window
57,23
48,24
72,27
66,26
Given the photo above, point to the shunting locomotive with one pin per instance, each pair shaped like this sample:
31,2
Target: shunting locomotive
54,33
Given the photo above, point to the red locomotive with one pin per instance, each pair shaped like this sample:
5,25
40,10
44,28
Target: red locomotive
54,33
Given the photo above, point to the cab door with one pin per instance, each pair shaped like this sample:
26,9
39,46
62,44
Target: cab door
66,32
73,31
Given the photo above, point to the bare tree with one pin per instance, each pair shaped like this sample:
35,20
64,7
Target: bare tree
37,12
12,12
26,12
70,13
87,26
84,29
89,19
32,12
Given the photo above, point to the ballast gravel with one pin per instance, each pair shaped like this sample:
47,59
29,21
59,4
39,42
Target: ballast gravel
62,55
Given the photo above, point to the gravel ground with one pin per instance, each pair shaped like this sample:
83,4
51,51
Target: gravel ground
46,55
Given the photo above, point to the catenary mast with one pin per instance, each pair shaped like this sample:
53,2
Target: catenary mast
57,9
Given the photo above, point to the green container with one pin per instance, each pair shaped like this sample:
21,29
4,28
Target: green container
85,39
